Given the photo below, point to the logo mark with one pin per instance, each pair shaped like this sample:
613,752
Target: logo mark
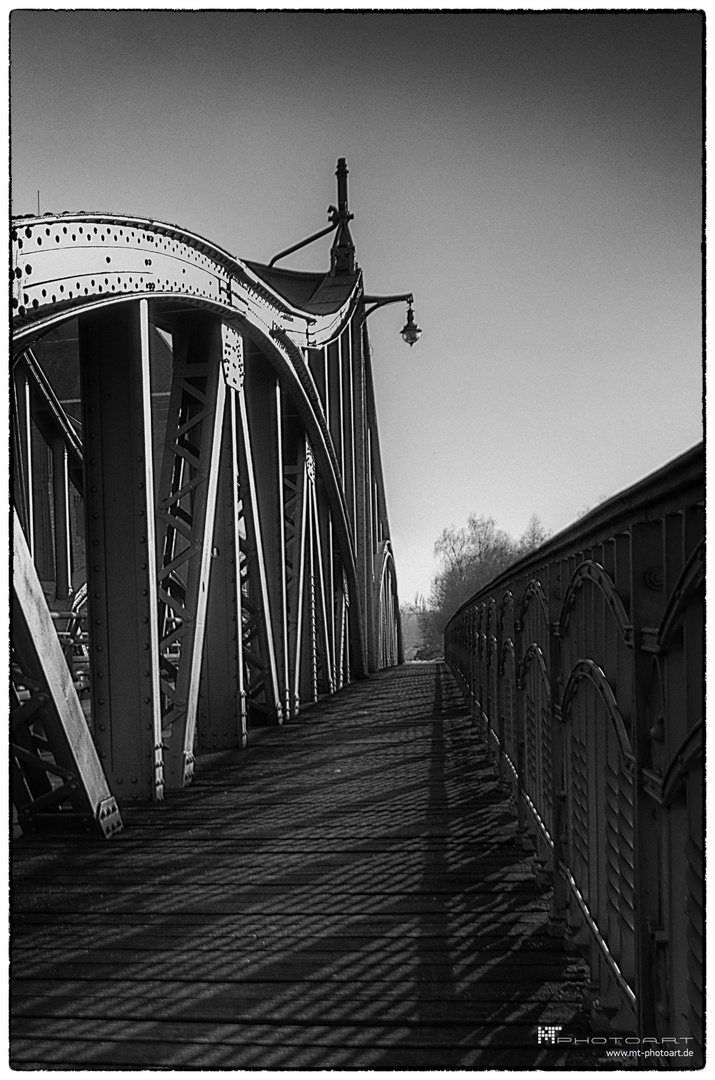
548,1033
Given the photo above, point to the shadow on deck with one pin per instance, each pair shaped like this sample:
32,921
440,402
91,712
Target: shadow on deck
350,892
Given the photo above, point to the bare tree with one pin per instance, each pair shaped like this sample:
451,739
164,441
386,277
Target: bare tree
470,557
533,536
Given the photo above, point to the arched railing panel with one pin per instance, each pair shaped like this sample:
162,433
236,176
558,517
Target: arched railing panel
389,632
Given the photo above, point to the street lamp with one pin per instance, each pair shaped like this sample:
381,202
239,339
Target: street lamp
410,331
342,255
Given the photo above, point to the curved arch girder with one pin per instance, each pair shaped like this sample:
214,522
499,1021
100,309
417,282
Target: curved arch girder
66,264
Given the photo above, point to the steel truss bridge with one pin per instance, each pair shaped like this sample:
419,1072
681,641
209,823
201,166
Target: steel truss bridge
201,548
200,533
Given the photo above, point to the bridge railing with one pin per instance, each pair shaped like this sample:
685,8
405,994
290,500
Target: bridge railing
583,663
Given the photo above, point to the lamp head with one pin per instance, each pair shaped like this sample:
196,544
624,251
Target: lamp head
410,331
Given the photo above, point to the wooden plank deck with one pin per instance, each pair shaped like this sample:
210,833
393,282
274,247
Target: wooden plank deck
350,892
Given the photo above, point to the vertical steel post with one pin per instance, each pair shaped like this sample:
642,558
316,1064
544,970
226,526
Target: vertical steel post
282,554
121,566
296,598
335,399
260,402
293,494
519,712
330,591
261,656
361,525
222,698
351,435
500,692
648,599
322,609
26,507
558,774
312,635
60,501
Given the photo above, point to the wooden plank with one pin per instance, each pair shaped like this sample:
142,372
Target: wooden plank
225,1000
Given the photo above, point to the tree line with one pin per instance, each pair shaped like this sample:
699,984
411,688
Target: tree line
470,557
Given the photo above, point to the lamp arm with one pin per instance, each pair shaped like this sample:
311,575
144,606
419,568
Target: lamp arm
304,243
380,301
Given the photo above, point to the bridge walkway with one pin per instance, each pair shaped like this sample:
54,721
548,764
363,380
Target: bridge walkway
350,892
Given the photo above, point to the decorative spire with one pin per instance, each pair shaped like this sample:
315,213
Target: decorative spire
342,253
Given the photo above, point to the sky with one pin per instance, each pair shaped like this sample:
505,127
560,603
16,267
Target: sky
533,178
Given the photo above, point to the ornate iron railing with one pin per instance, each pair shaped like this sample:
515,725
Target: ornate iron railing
583,663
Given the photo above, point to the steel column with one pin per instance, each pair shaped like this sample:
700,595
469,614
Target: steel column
22,429
647,605
294,518
60,503
121,567
559,904
222,709
261,401
334,391
323,637
361,524
351,431
262,686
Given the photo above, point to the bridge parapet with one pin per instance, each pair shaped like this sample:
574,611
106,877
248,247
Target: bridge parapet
197,484
583,663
